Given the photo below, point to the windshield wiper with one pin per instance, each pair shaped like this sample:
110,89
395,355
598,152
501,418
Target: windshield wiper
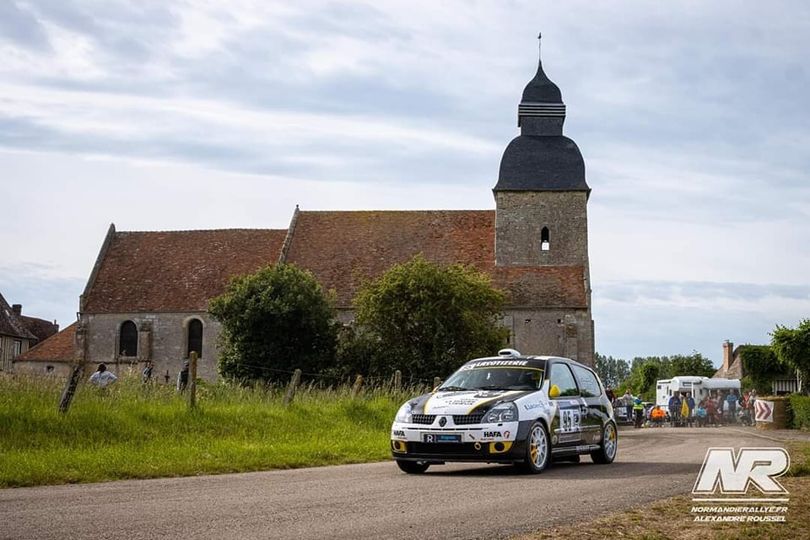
452,389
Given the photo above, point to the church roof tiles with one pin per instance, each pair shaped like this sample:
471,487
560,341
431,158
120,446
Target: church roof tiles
180,271
175,271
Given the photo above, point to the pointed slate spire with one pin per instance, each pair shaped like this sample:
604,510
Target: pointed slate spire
541,89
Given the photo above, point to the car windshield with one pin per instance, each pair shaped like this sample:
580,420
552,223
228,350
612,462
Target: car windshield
494,378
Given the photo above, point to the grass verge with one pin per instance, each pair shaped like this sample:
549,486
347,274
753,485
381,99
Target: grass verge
671,519
132,431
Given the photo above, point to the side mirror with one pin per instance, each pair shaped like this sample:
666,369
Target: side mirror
554,391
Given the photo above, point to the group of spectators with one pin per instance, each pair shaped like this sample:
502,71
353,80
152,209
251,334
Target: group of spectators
102,378
719,408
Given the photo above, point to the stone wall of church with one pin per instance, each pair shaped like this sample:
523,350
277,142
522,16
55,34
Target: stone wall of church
552,332
162,338
521,216
546,332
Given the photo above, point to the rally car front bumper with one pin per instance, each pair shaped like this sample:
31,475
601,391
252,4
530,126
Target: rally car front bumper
498,443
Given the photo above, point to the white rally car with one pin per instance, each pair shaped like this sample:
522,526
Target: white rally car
511,408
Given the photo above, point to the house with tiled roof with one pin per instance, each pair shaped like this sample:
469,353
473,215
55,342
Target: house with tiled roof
19,332
55,355
147,295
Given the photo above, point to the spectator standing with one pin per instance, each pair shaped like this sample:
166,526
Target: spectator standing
102,378
182,378
627,400
731,401
720,402
146,374
674,409
701,414
638,409
685,420
711,411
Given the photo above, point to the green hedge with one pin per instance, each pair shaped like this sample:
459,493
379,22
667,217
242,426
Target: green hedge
800,407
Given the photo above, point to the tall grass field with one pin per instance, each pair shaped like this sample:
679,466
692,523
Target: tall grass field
130,430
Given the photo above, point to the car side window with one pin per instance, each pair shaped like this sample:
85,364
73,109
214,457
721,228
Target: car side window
588,382
561,376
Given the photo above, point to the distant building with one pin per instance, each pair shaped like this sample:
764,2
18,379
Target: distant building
147,296
55,355
19,332
732,367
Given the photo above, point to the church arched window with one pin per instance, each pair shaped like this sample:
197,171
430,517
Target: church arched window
544,239
195,337
128,339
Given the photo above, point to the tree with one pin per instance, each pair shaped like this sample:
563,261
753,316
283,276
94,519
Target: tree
274,321
694,364
649,375
792,348
612,371
645,371
427,319
761,366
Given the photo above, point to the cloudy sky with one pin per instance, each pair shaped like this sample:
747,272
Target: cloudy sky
693,117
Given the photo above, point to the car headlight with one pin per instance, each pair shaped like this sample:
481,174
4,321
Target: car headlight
405,414
502,412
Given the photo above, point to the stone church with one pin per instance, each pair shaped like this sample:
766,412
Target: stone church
147,294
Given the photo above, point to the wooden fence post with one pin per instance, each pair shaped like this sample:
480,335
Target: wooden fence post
358,385
70,388
192,380
294,382
397,380
436,382
77,372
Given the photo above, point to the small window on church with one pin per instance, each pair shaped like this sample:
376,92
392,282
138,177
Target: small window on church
544,242
128,339
195,337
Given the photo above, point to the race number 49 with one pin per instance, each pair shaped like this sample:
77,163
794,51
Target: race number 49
734,474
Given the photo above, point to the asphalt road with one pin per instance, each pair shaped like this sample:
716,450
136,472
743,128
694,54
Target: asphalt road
370,501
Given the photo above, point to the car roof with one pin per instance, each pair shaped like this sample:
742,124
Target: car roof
531,360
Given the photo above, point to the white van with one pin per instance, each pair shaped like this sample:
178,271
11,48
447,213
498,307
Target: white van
700,387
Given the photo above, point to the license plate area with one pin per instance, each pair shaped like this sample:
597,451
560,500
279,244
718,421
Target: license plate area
441,437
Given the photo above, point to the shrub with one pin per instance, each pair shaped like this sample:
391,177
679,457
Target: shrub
426,319
274,321
800,407
761,366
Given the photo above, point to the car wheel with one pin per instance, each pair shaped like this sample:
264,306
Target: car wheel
413,467
538,449
610,445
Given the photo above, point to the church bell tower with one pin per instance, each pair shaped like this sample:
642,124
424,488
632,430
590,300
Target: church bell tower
541,200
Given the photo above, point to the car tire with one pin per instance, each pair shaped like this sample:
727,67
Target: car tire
412,467
609,447
538,449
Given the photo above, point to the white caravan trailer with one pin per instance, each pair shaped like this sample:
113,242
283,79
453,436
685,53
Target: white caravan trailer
700,387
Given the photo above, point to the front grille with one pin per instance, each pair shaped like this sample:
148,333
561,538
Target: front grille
425,419
464,419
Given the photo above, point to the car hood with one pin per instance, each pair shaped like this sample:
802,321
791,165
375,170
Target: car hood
468,402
